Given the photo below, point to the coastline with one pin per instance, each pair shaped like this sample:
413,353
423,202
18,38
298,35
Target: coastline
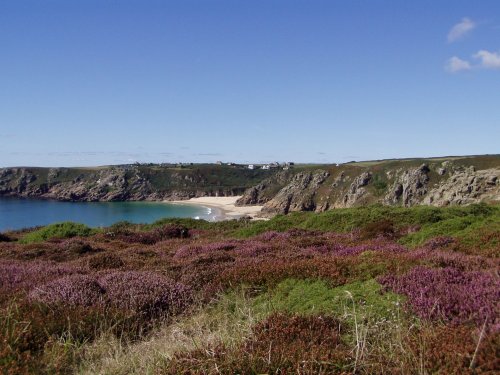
224,207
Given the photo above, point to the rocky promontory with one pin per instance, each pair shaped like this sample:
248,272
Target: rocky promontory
409,182
434,181
128,182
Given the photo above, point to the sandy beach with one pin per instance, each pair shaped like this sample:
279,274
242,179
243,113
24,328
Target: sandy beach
224,207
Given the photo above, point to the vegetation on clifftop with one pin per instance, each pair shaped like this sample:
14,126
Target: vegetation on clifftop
361,290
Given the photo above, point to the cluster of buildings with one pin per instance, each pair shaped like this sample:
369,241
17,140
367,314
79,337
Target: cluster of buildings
284,166
275,165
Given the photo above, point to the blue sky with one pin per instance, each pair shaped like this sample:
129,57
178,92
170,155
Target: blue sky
106,82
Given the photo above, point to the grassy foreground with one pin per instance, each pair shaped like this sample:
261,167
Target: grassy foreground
372,290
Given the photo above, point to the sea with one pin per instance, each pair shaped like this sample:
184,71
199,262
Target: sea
24,213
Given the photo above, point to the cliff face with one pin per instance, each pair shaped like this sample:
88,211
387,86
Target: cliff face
120,183
439,182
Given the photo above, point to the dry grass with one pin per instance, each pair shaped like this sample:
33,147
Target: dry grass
228,321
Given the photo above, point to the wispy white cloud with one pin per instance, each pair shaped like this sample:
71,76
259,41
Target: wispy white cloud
488,60
460,30
456,64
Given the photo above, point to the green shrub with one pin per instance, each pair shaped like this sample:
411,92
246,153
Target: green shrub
58,230
434,221
464,223
317,297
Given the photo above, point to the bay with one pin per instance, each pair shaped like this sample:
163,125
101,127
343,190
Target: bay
24,213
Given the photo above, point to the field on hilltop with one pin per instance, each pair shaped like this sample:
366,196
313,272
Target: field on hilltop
368,290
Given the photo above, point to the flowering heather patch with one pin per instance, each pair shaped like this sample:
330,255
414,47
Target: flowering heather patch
449,294
104,261
76,246
253,248
150,238
439,242
445,258
74,290
261,271
24,275
339,249
145,292
272,235
188,251
126,281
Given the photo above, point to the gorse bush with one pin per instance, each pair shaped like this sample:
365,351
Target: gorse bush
58,230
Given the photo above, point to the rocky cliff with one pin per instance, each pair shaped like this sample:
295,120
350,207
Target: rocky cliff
129,182
435,181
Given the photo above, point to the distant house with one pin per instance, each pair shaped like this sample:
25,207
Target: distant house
266,166
251,166
218,162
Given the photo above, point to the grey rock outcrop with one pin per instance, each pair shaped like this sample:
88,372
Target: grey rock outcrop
260,193
298,195
356,190
409,187
466,186
114,183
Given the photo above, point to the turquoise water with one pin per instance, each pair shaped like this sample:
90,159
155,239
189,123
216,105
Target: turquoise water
23,213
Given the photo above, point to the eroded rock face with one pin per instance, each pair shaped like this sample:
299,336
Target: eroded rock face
466,186
258,194
298,195
356,190
106,184
409,187
436,182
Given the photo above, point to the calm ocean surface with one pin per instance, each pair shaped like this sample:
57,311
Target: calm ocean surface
22,213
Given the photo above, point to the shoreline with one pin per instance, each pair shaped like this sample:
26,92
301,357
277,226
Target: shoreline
224,206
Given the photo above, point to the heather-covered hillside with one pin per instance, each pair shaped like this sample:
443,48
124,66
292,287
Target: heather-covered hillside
369,290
